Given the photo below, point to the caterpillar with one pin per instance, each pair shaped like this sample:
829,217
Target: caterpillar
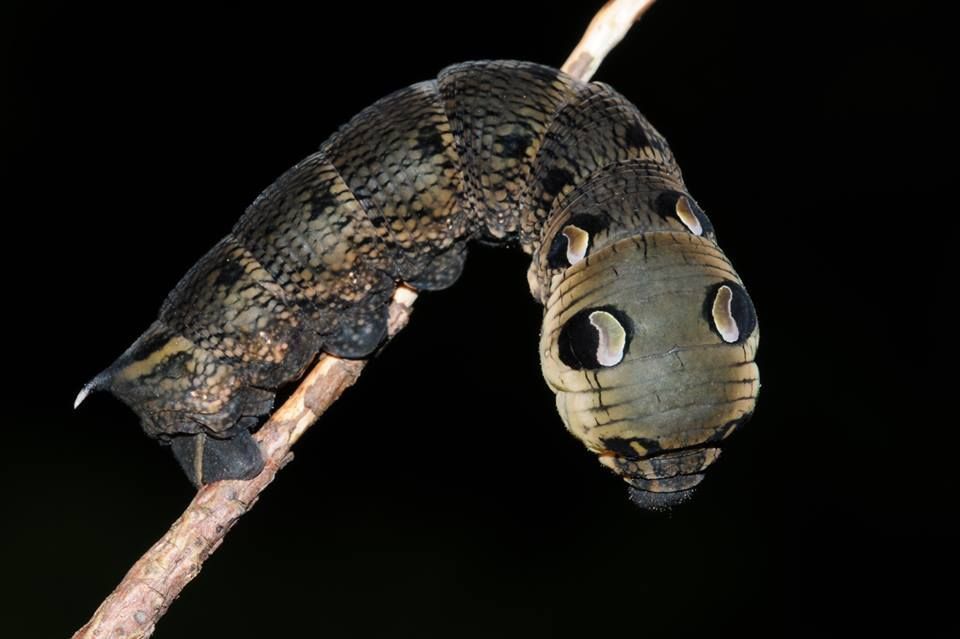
649,336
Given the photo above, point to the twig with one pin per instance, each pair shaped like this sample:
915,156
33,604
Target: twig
156,579
605,31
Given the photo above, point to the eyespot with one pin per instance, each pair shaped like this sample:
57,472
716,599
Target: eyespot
730,312
572,243
594,338
611,335
687,216
682,207
578,241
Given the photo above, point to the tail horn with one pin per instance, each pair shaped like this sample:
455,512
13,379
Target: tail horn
94,384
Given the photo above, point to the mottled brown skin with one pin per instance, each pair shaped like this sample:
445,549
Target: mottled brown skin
502,151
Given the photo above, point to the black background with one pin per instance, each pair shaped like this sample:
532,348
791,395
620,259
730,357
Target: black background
441,496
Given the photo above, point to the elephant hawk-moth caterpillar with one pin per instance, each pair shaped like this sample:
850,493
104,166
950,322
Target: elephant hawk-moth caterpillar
648,338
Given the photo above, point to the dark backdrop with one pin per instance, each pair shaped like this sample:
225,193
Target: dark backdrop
441,496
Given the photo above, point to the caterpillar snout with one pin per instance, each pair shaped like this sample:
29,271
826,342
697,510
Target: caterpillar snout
649,344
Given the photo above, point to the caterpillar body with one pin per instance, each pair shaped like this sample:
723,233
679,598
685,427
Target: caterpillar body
648,338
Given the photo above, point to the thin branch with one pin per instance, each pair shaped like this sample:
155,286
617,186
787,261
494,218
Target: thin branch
605,31
156,579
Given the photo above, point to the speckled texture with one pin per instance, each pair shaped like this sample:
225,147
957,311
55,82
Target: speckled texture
501,151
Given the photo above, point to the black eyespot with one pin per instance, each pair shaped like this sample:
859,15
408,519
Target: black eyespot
666,207
729,311
579,340
557,254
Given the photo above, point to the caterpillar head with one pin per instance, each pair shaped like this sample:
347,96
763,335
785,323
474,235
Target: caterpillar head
649,343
